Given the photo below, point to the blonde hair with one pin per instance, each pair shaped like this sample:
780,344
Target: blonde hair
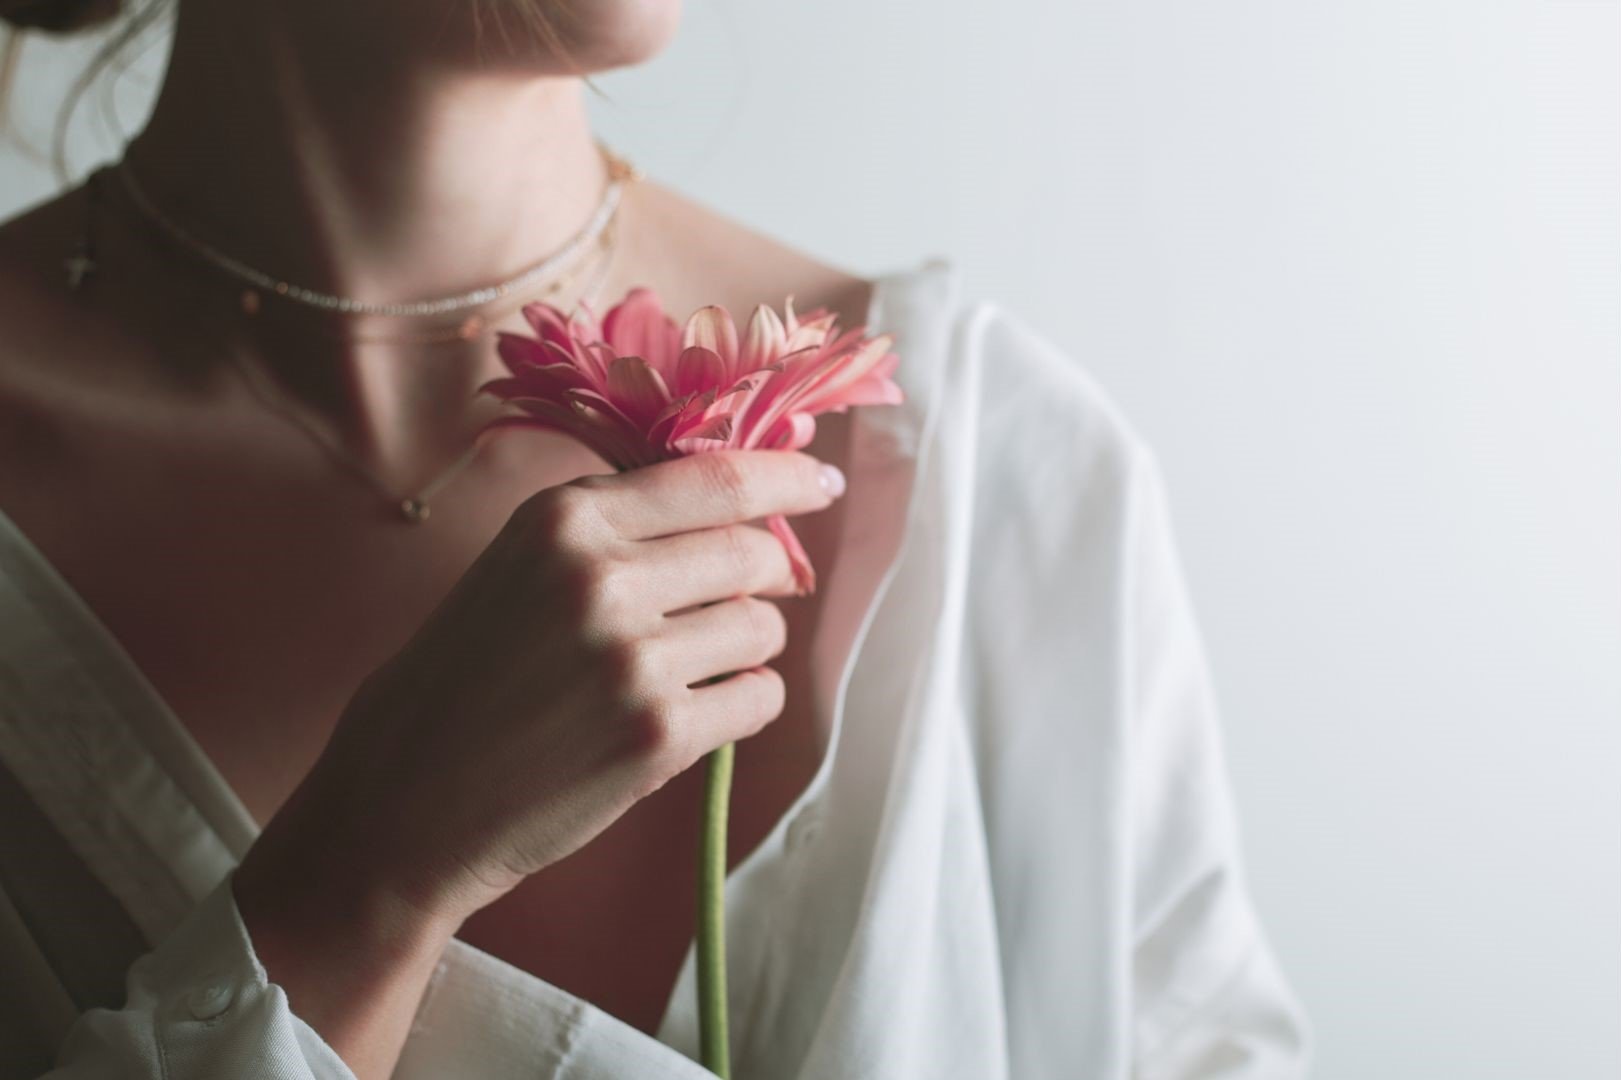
73,17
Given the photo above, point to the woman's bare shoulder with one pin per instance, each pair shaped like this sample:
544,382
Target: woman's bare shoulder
700,256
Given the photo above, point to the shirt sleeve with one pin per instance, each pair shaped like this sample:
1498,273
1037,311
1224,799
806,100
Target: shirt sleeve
1208,998
199,1007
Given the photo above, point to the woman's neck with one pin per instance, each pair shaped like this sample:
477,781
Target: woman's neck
348,158
356,165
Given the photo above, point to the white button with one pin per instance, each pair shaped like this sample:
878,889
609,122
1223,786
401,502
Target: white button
803,828
210,1000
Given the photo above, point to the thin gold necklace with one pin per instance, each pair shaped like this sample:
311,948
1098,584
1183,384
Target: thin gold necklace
620,172
414,508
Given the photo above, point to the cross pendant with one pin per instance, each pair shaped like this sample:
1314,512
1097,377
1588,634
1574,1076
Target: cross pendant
79,266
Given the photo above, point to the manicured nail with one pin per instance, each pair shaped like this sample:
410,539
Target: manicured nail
832,479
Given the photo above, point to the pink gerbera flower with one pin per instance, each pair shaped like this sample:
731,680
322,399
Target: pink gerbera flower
638,389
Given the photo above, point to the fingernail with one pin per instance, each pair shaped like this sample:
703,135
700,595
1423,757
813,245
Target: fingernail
832,479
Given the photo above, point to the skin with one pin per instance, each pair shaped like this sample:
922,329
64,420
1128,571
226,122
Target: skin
290,627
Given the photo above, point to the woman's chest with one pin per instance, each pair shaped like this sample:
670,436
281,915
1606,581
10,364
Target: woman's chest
255,621
257,647
612,923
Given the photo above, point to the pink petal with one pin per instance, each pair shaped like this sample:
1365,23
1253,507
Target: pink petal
681,413
716,430
549,323
582,324
594,360
763,341
606,431
775,396
503,387
698,368
813,329
866,392
517,351
552,380
699,446
711,326
885,367
794,433
637,389
804,572
638,326
820,387
602,436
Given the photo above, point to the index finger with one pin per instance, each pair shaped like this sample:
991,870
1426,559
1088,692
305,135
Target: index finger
706,490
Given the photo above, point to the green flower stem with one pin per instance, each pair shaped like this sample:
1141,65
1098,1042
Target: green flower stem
716,1050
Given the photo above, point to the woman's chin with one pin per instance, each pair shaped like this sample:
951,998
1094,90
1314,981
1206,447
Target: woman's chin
594,36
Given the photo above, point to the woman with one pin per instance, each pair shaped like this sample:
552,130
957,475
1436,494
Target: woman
384,769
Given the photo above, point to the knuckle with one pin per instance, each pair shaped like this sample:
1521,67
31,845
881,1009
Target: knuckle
607,585
653,730
725,479
769,694
766,624
562,516
591,586
628,670
740,554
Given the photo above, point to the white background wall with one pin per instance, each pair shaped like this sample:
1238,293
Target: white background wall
1356,270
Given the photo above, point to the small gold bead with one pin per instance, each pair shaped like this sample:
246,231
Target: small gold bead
281,288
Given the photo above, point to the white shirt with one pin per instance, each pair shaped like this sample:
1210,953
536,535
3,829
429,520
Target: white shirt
1017,859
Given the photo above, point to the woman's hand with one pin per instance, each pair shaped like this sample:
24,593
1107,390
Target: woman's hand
551,689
